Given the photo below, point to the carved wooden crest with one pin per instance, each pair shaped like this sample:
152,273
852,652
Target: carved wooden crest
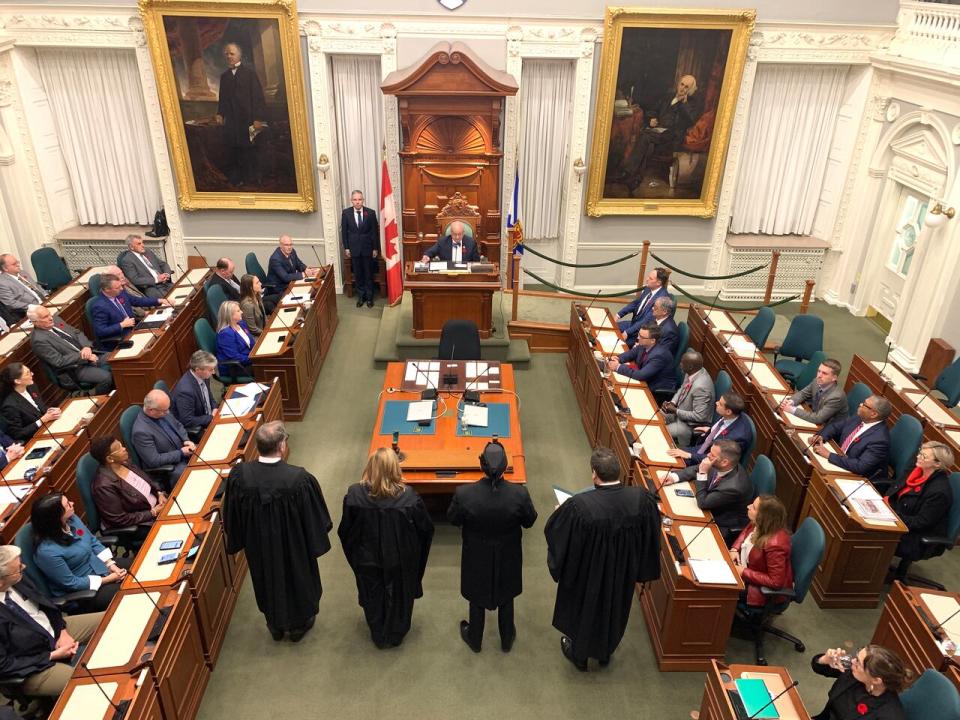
458,207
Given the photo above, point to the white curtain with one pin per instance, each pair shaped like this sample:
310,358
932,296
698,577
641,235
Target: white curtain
98,110
546,104
793,113
358,107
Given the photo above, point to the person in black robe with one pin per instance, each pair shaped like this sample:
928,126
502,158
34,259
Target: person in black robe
599,544
386,534
276,514
492,514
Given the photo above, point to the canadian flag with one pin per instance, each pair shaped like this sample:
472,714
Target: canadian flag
391,239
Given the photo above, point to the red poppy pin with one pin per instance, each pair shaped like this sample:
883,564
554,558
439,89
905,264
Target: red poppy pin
120,299
79,532
862,708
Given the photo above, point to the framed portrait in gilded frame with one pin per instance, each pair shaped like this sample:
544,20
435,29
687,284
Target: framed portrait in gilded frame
669,81
231,89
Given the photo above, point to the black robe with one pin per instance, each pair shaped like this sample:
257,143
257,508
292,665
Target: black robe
386,541
599,544
275,513
491,563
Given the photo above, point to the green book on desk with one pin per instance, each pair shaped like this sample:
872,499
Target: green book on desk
754,694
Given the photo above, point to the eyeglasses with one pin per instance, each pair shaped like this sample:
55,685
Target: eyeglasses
19,570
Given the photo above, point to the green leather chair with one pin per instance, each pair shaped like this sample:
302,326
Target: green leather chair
858,393
763,477
759,328
467,229
809,372
94,284
252,263
722,384
931,697
86,473
215,298
905,438
804,338
51,271
162,385
24,540
948,382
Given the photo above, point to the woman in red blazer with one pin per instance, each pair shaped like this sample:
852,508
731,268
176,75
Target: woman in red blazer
763,549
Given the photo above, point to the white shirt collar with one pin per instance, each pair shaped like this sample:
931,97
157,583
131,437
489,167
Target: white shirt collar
867,426
269,460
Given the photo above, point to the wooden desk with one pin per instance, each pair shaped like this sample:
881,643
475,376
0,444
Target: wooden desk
857,554
296,340
438,297
438,463
82,699
105,411
906,627
716,703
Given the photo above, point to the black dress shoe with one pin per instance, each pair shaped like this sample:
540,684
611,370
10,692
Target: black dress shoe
297,635
275,634
360,302
506,644
465,634
566,647
369,303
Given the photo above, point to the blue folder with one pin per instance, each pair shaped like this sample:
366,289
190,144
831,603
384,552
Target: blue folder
754,694
498,422
395,420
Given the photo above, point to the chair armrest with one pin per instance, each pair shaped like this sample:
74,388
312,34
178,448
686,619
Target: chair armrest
11,681
71,597
786,592
108,539
932,540
918,376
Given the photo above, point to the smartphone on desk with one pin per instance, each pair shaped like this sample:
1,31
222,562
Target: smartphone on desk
683,492
171,545
37,453
168,558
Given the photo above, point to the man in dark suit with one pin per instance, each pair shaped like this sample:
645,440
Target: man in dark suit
241,111
650,362
37,642
285,266
223,275
160,439
360,234
640,310
112,311
663,309
66,349
828,401
144,269
192,401
723,487
864,441
454,247
732,425
492,514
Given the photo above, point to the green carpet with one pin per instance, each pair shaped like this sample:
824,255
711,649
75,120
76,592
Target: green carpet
337,672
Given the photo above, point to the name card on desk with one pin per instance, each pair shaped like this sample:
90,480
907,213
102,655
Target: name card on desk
11,341
87,702
66,294
271,342
942,607
149,570
122,635
140,341
900,381
219,443
71,416
18,469
599,317
932,409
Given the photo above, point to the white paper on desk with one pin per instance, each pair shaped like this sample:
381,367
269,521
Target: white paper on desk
12,494
899,380
432,366
160,315
873,509
598,317
712,572
479,386
238,407
420,410
494,370
410,372
475,415
798,422
10,341
766,377
857,489
294,299
610,342
475,369
942,607
438,265
742,346
250,389
721,321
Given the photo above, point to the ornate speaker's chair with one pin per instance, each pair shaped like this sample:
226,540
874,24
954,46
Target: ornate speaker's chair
459,209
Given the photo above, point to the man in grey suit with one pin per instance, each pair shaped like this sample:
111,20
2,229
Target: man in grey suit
160,438
692,404
828,402
144,269
63,348
723,487
17,289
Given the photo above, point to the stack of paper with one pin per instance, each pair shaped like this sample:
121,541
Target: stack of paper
238,407
420,410
714,572
873,509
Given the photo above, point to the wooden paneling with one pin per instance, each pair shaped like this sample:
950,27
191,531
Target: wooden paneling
541,337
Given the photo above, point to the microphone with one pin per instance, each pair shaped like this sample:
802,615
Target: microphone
196,538
777,697
925,396
711,521
278,315
940,625
97,253
197,250
216,471
184,275
715,298
843,500
162,612
592,301
119,710
54,437
320,271
886,358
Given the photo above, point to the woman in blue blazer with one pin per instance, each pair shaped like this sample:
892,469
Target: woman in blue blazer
234,339
71,557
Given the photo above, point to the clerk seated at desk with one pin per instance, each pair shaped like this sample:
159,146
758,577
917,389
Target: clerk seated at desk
722,486
192,401
762,551
828,401
864,441
23,408
112,311
125,495
37,642
453,247
731,426
869,688
648,361
160,439
234,340
923,500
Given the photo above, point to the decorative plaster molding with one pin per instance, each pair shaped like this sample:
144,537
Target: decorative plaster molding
786,42
893,112
6,92
879,110
955,134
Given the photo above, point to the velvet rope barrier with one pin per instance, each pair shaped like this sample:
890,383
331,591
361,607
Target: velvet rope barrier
706,277
581,265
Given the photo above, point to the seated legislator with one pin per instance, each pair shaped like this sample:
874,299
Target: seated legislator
639,312
252,307
234,340
730,426
125,495
144,269
132,290
70,556
37,642
66,349
285,266
223,275
663,309
828,401
692,404
160,439
864,441
191,401
10,450
722,486
648,361
868,684
923,500
454,247
17,289
762,550
112,311
23,408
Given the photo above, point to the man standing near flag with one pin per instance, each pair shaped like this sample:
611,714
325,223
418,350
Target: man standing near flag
391,239
361,245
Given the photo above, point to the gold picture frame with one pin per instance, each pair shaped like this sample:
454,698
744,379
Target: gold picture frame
231,88
658,146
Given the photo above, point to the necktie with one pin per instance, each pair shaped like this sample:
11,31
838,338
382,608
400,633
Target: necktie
683,392
169,431
816,399
644,303
643,357
457,256
147,261
37,291
713,433
15,608
121,307
66,336
850,438
714,478
358,219
205,391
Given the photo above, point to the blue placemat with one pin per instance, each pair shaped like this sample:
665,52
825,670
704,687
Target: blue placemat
395,420
498,422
